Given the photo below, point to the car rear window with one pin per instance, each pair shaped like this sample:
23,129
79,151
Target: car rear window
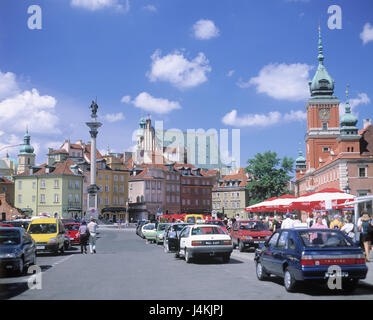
324,239
161,227
41,228
149,226
253,225
191,220
179,227
206,230
9,237
217,223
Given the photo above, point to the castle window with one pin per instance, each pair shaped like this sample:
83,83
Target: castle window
362,172
325,149
348,149
325,126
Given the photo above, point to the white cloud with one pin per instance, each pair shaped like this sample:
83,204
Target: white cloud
126,99
8,85
367,34
30,109
262,120
361,99
94,5
282,81
114,117
157,105
205,29
230,73
150,7
179,71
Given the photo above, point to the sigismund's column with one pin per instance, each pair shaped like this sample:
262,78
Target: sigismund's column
93,189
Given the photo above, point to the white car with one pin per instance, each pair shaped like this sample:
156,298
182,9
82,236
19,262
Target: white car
198,240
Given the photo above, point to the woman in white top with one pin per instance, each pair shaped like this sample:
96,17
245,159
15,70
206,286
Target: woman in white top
348,228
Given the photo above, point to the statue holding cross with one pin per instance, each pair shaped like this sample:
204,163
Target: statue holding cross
94,108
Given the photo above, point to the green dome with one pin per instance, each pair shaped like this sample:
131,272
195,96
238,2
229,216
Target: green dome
300,158
322,83
348,120
26,147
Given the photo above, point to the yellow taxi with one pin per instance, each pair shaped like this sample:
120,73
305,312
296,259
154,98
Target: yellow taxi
48,234
194,218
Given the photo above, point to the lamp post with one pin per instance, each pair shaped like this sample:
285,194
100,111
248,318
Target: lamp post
347,189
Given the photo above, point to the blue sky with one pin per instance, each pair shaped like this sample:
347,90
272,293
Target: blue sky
193,64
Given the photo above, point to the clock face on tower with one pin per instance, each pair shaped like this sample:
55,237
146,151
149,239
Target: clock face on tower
324,114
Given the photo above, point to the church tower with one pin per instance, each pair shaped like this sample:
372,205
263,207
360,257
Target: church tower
322,116
26,156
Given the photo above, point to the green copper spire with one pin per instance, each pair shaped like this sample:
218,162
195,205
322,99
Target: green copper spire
348,121
26,147
322,83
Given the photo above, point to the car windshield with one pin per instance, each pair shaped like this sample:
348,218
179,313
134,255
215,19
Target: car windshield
178,227
40,228
206,230
72,227
9,237
161,226
217,223
324,239
191,220
253,225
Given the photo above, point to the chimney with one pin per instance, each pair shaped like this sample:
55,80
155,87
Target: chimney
367,123
50,160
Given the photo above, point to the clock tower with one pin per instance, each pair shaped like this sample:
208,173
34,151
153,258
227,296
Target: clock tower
322,116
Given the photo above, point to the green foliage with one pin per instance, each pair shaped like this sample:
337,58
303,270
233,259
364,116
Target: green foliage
271,176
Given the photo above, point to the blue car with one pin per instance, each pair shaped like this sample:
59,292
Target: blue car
311,255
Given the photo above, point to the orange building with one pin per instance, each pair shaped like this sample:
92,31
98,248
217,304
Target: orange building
338,155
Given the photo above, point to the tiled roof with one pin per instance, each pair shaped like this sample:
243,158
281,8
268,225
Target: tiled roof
60,151
5,180
87,152
60,168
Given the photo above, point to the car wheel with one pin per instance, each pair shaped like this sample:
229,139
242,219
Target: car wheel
188,256
289,281
241,246
21,269
226,258
261,273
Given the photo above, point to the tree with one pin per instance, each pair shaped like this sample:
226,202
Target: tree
271,175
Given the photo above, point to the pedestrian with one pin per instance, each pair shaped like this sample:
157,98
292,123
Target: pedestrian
225,220
336,223
119,223
319,224
310,221
83,236
92,227
288,223
348,228
365,234
277,223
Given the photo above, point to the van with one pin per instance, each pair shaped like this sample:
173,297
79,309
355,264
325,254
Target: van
48,234
194,218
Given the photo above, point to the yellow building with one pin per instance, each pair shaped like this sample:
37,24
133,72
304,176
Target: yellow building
112,180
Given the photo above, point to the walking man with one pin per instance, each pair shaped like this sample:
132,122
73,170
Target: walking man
92,227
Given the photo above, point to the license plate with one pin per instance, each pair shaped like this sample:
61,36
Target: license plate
71,238
212,242
337,274
259,241
40,247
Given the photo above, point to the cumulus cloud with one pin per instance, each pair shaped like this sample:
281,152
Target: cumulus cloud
8,85
126,99
205,29
262,120
29,109
230,73
114,117
94,5
149,103
367,34
178,70
282,81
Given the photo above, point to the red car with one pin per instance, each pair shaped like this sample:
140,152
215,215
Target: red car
249,234
6,225
219,223
72,229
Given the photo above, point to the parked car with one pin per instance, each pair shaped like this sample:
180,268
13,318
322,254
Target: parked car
48,234
160,232
171,236
249,234
139,227
299,255
149,231
204,240
72,229
17,250
18,223
219,223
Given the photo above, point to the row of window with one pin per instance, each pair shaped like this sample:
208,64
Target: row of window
203,202
116,177
202,182
116,201
56,184
233,195
56,198
173,199
227,205
173,188
332,175
196,191
107,188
